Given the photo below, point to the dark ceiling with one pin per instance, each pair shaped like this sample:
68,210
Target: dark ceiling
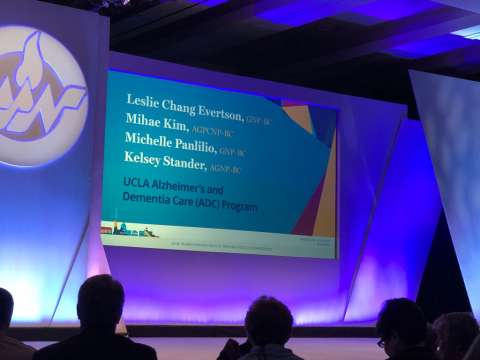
358,47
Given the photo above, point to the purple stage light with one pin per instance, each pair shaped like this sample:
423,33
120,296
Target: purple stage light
301,12
296,13
430,47
213,2
388,10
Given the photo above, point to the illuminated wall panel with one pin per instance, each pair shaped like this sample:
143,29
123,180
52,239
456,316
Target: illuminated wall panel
450,116
48,88
403,225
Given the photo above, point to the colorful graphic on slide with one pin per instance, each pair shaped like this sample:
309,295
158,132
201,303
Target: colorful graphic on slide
258,175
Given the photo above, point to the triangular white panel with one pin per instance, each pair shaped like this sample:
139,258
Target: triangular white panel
450,112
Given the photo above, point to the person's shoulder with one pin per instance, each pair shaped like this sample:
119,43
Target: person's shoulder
57,350
47,352
15,348
17,344
140,351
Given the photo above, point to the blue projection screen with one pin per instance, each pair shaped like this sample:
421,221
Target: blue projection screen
190,167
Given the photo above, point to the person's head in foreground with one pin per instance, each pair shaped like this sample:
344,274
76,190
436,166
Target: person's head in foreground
6,309
455,334
100,303
268,321
402,327
99,308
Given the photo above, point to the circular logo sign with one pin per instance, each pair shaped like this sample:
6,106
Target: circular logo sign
43,97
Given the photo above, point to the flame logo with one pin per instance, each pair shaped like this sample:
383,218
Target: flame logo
35,99
18,114
31,68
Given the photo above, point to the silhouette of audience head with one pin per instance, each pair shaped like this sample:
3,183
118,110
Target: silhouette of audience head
6,309
268,321
455,334
401,326
100,303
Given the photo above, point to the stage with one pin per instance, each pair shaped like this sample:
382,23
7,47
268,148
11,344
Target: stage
201,190
307,348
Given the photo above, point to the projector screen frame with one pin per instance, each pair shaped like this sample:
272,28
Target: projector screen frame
203,79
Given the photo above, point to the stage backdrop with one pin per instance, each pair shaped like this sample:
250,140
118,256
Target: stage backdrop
52,79
52,86
383,243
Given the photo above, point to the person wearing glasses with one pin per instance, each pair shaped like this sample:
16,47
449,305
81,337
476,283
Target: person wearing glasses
402,328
